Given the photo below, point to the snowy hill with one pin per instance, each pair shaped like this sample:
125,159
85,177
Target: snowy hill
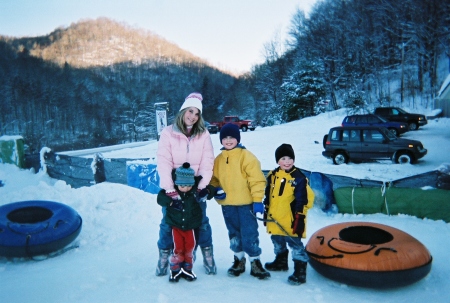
114,257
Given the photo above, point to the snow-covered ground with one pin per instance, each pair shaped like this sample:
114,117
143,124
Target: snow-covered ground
116,254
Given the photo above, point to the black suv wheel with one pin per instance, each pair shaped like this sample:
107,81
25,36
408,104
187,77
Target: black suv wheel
404,158
340,158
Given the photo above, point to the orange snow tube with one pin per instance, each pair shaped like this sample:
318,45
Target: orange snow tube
368,255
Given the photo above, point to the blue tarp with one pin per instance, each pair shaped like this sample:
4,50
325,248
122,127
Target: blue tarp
143,176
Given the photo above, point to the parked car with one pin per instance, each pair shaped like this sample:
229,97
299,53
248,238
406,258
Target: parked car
397,128
359,143
399,115
243,124
212,128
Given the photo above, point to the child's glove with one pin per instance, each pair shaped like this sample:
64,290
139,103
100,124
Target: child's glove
177,204
220,194
202,195
258,207
173,195
298,226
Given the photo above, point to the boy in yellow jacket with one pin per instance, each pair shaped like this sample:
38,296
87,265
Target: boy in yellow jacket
238,172
287,200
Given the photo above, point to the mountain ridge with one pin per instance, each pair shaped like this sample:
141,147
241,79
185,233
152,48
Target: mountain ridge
102,42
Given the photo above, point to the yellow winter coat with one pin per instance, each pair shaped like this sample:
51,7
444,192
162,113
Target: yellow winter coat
239,173
287,193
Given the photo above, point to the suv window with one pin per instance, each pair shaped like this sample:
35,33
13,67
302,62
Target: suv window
336,135
361,119
372,135
372,119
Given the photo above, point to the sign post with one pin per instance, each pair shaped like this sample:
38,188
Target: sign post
161,109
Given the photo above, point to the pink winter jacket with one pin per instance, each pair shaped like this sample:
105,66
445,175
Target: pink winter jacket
174,148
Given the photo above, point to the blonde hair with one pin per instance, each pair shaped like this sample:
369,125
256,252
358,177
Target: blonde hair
197,129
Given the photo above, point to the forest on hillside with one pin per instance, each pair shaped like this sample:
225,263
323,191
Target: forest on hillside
96,82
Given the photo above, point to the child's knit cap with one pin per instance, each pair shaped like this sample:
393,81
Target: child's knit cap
284,150
184,175
231,130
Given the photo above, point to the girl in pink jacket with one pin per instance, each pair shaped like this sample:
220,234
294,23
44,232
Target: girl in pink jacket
186,140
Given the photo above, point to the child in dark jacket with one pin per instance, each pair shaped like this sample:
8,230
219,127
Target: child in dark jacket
185,217
287,200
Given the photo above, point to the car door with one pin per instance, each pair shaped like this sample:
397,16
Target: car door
351,142
374,145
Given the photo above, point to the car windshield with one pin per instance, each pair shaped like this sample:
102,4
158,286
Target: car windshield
401,110
388,133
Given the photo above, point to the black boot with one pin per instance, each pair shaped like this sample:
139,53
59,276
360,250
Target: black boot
258,271
280,263
175,275
237,268
299,275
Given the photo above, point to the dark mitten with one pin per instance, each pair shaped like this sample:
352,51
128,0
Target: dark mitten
298,226
220,194
177,204
202,195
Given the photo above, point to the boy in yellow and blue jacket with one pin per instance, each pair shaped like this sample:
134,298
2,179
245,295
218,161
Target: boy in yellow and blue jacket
287,200
240,184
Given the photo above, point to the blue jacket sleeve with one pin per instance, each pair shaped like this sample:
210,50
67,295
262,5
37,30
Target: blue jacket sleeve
301,195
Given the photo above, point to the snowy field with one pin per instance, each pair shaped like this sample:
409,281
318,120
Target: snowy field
115,255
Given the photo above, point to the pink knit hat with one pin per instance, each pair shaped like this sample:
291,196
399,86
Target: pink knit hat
195,100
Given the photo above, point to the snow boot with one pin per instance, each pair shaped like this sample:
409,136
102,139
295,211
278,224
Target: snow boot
299,275
163,262
175,275
237,268
208,260
280,263
258,271
188,275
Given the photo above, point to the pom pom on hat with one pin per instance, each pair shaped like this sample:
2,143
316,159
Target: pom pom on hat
284,150
231,130
184,175
195,100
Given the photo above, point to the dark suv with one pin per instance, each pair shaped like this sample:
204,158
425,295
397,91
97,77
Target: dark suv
345,143
397,128
399,115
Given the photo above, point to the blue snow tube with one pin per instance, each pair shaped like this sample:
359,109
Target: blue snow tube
32,228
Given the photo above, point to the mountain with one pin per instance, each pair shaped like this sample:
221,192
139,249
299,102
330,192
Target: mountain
97,82
102,42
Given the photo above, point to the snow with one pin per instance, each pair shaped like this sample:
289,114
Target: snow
115,254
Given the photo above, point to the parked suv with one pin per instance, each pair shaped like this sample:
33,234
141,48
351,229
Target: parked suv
399,115
350,143
397,128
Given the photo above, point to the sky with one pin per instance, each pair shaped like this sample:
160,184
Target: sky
114,257
230,34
